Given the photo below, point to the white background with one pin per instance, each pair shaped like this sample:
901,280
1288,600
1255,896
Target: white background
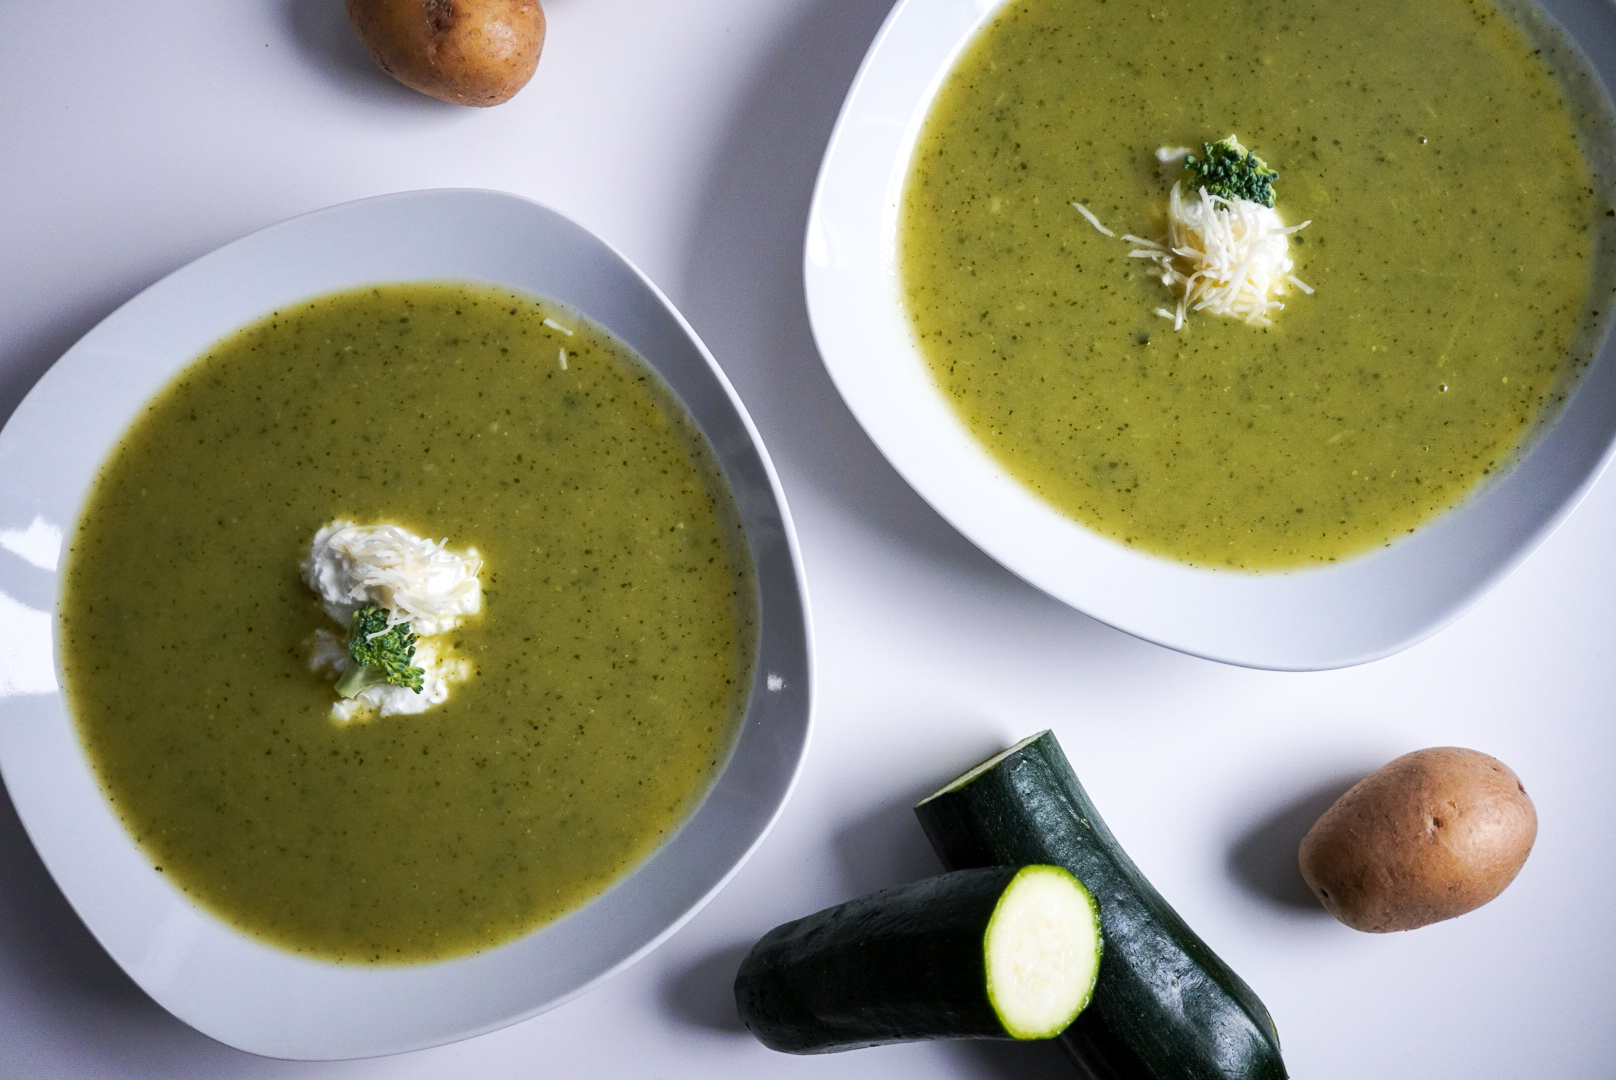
137,136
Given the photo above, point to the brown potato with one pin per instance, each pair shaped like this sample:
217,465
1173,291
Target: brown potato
1432,835
467,52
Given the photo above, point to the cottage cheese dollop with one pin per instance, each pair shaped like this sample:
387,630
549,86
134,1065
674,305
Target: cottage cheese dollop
415,580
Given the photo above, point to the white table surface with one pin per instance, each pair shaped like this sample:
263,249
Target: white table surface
137,136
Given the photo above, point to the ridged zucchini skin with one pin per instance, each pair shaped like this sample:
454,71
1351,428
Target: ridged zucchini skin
899,965
1165,1007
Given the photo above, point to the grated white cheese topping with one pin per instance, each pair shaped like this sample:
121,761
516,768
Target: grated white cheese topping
1092,220
1227,256
418,581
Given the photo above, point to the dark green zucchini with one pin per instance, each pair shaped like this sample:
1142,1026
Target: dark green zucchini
1165,1007
997,952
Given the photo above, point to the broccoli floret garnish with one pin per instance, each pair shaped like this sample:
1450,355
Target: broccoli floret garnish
381,655
1230,171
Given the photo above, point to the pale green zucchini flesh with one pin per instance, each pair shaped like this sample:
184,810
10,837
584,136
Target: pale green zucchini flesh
1042,951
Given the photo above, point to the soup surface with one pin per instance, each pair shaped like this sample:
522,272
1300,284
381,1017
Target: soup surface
1438,149
612,656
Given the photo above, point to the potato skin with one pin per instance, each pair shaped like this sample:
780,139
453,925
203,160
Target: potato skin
1432,835
466,52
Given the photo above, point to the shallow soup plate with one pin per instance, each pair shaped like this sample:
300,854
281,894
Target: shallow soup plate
1349,612
233,987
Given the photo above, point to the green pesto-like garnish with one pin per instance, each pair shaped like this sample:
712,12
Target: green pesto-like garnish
1230,171
380,654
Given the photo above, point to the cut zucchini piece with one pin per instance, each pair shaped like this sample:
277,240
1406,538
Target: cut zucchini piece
1165,1007
995,952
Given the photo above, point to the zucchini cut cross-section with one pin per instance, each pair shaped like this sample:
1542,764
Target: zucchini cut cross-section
1042,949
993,952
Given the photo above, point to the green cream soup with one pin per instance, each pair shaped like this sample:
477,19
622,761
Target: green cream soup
611,658
1438,148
